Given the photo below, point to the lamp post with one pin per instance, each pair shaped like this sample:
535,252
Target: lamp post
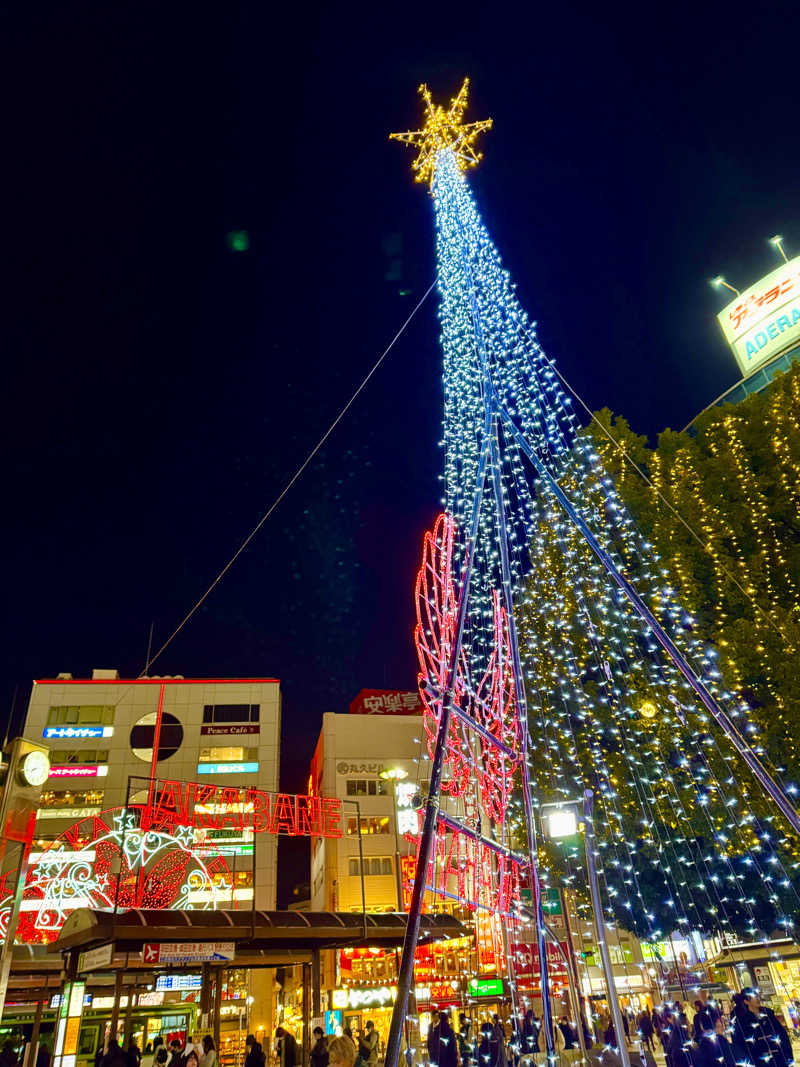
393,775
562,820
777,242
720,281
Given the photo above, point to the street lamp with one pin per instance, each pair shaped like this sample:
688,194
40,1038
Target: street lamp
777,242
395,775
562,820
719,280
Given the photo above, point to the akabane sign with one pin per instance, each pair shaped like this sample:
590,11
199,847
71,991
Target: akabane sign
764,320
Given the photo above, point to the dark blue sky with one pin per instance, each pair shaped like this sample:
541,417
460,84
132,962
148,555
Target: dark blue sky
160,388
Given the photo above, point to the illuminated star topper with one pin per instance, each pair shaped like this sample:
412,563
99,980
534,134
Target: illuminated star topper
444,129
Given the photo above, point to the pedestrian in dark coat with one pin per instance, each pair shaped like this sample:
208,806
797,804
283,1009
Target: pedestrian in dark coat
714,1049
530,1033
756,1034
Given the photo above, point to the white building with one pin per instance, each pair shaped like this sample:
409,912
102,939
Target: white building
101,733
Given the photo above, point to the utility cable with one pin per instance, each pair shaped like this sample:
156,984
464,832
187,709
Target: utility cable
290,483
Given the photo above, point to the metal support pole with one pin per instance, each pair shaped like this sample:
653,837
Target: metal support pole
522,715
574,978
406,975
30,1058
357,806
719,715
132,990
600,926
118,976
316,984
215,1022
398,881
306,1013
205,990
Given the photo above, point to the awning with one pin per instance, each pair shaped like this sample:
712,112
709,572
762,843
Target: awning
757,953
264,938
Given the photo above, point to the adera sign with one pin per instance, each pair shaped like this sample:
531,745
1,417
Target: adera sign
765,319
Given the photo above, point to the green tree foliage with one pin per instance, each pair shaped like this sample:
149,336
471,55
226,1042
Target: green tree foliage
736,482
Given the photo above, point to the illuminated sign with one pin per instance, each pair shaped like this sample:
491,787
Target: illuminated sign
364,998
386,702
168,982
407,818
227,768
79,771
53,733
765,319
485,987
229,731
67,813
219,807
333,1022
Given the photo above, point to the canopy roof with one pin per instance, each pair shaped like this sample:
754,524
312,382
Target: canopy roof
255,933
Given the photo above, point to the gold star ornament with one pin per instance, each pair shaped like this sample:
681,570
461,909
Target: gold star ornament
444,129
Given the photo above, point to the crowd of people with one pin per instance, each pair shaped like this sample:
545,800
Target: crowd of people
703,1037
698,1036
195,1053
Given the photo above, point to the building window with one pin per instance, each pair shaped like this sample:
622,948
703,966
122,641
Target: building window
366,787
227,754
231,713
71,798
63,756
143,736
81,714
372,824
372,865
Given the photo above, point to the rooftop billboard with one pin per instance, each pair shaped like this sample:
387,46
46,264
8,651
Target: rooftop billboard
765,319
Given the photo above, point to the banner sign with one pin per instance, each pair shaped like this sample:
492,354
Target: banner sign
220,807
386,702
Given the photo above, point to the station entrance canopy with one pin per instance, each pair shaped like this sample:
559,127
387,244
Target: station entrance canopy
260,938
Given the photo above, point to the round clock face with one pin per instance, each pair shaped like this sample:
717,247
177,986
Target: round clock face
35,768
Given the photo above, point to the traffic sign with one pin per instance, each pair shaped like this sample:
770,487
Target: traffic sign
189,952
151,953
95,957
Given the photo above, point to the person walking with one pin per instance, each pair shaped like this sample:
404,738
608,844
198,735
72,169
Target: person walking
341,1051
368,1044
114,1057
319,1050
288,1051
645,1028
756,1034
466,1045
209,1057
530,1033
254,1053
714,1049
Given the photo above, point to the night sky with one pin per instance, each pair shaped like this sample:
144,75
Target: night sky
160,388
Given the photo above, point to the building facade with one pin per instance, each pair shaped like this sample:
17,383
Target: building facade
102,733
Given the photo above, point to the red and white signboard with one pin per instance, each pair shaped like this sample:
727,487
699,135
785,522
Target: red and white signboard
151,953
386,702
75,770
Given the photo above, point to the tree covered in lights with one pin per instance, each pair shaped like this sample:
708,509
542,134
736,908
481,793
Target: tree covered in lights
687,841
688,838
